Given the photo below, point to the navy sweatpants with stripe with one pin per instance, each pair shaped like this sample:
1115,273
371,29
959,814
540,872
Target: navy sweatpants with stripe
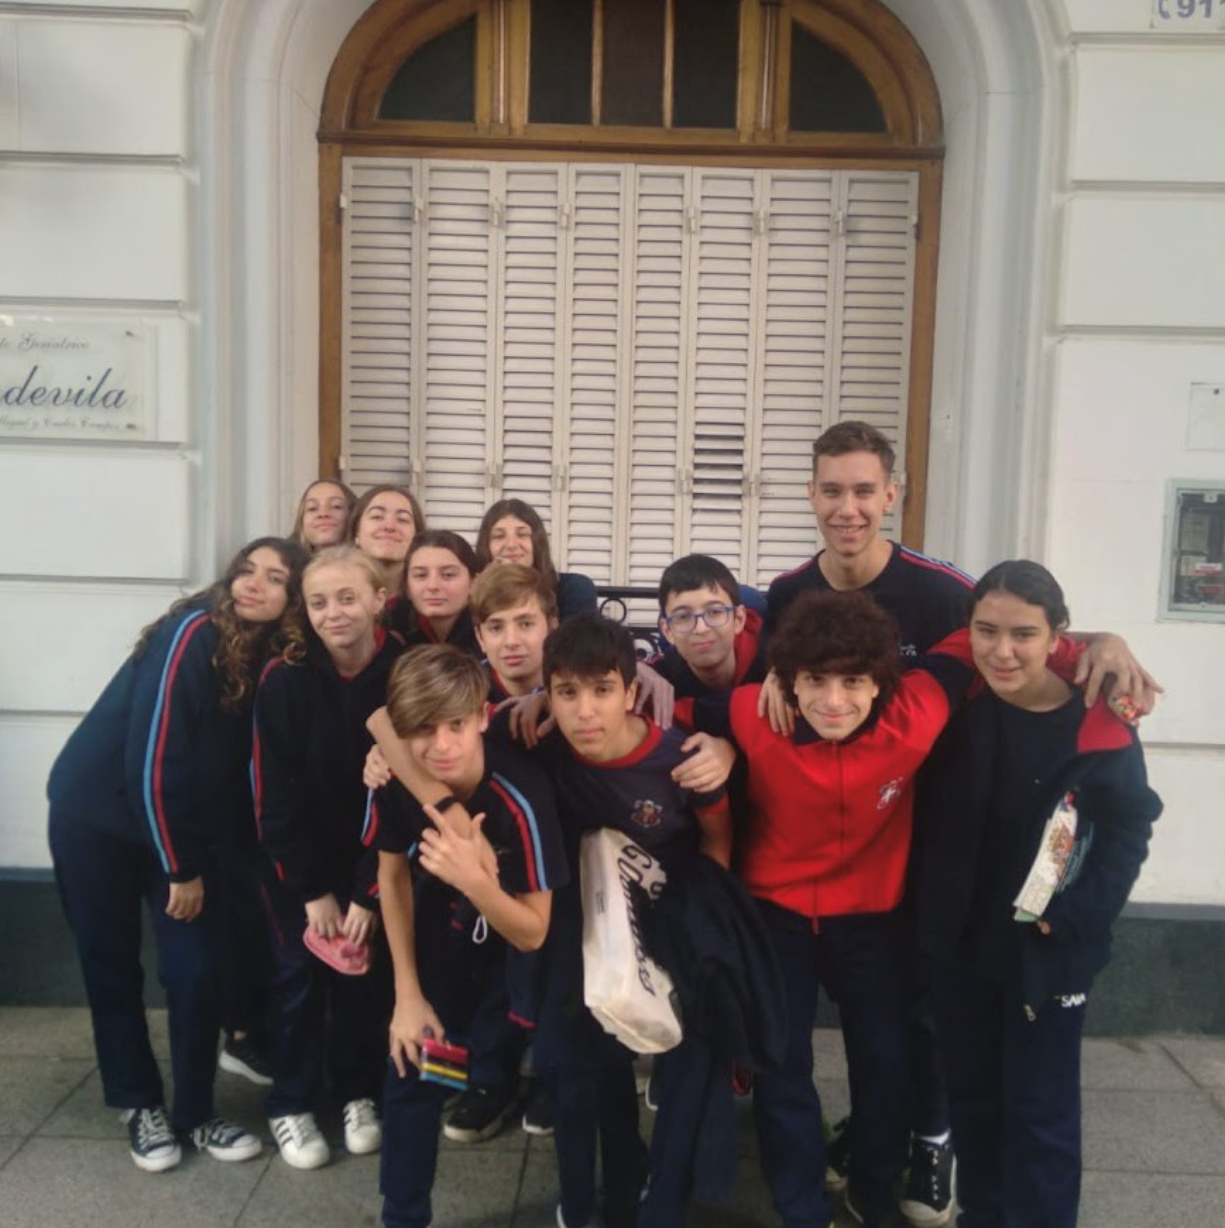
1014,1098
103,881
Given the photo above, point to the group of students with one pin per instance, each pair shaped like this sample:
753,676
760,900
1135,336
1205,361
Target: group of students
219,778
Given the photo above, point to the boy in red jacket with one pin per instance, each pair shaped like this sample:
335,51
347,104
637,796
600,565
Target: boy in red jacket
824,853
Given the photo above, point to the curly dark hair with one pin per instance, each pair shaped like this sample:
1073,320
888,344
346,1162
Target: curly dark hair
836,632
242,647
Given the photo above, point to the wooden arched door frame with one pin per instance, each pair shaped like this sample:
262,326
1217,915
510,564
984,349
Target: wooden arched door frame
863,31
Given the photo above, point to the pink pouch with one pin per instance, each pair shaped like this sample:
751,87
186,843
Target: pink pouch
338,952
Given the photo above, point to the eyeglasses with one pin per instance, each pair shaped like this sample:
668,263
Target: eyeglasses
685,622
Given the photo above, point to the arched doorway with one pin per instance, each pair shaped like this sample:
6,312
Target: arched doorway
626,260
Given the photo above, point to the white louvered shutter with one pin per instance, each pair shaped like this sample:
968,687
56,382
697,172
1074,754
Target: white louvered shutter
876,281
658,256
454,368
378,261
526,400
791,389
591,372
719,358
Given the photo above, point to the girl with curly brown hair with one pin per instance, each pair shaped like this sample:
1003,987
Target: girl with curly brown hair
143,799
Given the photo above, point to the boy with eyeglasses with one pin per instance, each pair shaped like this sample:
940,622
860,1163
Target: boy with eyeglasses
719,643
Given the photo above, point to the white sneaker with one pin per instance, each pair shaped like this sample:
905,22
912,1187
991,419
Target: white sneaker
363,1130
298,1137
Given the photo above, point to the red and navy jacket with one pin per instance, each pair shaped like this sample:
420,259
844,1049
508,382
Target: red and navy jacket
415,629
310,747
1105,779
830,822
927,598
692,694
156,759
520,820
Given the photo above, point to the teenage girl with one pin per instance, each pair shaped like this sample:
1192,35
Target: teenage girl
383,524
323,514
512,532
441,567
1011,990
141,797
310,744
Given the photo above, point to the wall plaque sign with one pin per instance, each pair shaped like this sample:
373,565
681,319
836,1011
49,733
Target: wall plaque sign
75,379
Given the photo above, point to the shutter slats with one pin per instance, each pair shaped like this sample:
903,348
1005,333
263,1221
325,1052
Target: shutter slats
649,368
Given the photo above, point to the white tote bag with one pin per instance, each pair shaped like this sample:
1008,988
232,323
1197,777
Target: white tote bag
628,992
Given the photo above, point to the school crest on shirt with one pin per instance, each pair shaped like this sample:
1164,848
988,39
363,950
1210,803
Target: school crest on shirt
890,791
647,813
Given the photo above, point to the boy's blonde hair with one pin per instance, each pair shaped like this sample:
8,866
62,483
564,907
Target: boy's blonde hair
346,555
505,586
432,684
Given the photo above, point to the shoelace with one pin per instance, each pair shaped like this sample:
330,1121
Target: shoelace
152,1128
359,1113
930,1176
219,1132
296,1128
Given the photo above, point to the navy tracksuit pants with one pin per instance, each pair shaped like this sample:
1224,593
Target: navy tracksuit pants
466,983
322,1019
860,957
1014,1098
102,880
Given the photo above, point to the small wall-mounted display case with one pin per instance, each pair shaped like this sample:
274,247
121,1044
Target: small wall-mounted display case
1193,579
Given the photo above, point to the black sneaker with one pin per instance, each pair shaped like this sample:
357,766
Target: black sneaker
538,1114
241,1057
837,1154
480,1113
153,1144
927,1197
881,1214
224,1140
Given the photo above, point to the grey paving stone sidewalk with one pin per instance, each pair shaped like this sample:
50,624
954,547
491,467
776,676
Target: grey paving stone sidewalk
1154,1149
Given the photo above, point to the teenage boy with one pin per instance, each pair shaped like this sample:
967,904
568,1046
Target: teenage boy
480,824
614,769
852,489
513,609
719,643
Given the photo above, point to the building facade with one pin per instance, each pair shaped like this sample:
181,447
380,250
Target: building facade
181,183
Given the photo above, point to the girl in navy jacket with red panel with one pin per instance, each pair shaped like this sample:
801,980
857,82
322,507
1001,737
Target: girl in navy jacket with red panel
1011,989
310,745
142,796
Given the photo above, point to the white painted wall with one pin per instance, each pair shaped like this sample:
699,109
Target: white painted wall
172,181
98,224
1138,316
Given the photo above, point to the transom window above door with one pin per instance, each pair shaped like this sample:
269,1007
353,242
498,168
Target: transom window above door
626,259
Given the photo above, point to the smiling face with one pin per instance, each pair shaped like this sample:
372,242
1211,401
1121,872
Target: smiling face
451,752
510,541
261,588
343,607
850,495
438,583
513,640
387,527
1011,641
835,704
325,511
593,713
706,649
